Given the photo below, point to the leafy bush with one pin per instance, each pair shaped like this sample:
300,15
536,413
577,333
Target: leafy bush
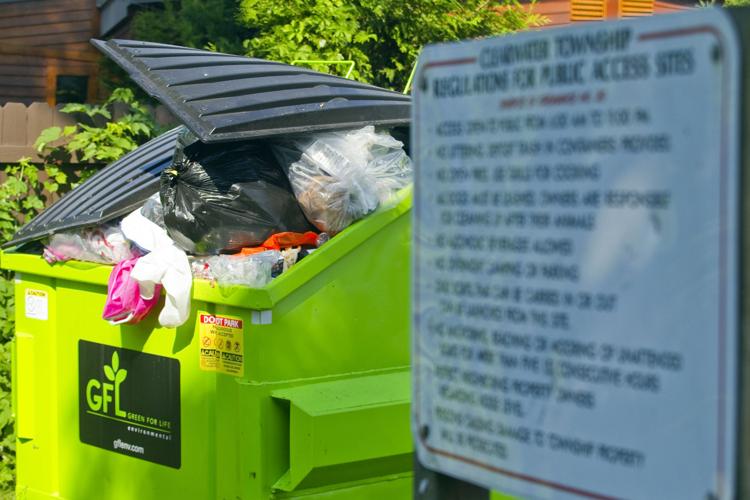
382,37
91,142
192,23
25,193
201,24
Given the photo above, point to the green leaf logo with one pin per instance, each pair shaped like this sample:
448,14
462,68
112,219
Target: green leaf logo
113,372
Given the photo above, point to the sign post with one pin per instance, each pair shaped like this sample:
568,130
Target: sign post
576,278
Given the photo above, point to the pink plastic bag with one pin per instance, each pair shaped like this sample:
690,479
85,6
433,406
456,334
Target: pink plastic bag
124,301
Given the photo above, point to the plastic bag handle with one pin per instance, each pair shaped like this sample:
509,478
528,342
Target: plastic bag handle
115,322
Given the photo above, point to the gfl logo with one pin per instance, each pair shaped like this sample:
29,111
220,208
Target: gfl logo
99,394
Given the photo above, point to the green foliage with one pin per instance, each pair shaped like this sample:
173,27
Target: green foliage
7,436
21,197
25,193
382,37
733,3
202,24
193,23
100,144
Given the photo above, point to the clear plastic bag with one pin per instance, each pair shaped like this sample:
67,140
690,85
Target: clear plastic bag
104,245
253,271
339,177
154,211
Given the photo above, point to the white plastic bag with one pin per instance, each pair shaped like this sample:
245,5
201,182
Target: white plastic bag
103,245
164,264
339,177
169,267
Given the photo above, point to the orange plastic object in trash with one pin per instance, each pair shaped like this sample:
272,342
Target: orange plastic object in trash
287,239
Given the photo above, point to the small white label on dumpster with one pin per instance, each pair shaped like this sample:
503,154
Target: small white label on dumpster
36,304
575,278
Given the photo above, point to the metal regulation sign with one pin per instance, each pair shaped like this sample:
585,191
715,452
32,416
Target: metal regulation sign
576,259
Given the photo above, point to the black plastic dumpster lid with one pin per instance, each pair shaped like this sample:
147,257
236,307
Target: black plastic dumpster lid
117,189
222,97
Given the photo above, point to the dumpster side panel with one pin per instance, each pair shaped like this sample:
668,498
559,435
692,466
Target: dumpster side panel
229,431
87,471
38,399
350,318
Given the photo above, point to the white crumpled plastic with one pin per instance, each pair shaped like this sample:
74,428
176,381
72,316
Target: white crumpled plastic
339,177
164,263
103,245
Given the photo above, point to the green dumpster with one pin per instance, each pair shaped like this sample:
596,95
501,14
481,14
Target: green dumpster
298,389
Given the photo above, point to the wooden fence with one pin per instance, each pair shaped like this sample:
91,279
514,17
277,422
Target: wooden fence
20,126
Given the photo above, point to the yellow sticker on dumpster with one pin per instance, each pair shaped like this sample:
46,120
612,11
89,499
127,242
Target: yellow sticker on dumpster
221,343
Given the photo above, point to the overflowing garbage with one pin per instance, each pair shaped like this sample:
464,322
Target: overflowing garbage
253,271
220,198
103,245
339,177
236,214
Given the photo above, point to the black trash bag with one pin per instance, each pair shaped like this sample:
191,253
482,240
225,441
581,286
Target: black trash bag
223,197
